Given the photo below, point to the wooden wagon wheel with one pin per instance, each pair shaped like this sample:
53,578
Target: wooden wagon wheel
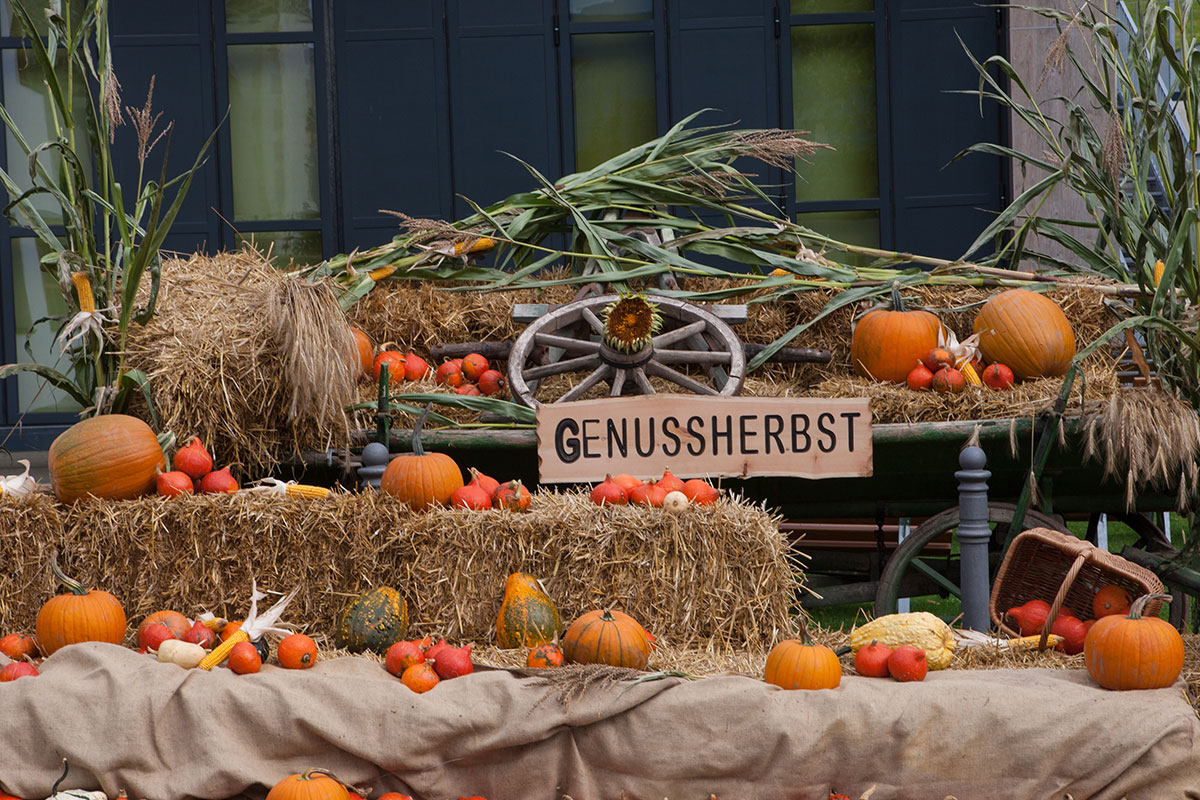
689,335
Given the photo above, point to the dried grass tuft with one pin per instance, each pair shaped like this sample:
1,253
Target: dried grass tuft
718,574
248,358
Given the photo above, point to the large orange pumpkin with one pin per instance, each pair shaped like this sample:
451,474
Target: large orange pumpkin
113,456
796,664
527,616
308,785
1134,652
79,615
1026,331
608,637
365,350
886,345
421,479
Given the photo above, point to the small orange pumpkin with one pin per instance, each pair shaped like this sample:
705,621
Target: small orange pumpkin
1028,332
800,664
527,616
886,344
113,456
544,656
1134,652
296,651
18,646
175,622
421,479
608,637
79,615
308,785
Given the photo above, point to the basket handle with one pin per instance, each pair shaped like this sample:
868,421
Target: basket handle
1056,606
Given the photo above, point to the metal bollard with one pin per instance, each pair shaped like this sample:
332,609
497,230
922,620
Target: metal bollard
375,459
973,536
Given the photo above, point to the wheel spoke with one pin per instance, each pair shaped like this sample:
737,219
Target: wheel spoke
618,383
692,385
937,577
567,343
593,320
679,334
559,367
692,357
600,373
639,377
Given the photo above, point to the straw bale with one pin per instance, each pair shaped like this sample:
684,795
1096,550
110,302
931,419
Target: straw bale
719,573
252,361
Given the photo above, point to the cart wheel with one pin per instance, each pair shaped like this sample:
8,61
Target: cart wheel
905,564
571,337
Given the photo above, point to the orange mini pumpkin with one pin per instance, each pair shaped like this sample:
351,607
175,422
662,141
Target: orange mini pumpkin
113,456
800,664
1134,652
421,479
79,615
544,656
365,351
296,651
308,785
606,636
886,344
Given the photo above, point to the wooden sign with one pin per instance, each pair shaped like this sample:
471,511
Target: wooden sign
804,437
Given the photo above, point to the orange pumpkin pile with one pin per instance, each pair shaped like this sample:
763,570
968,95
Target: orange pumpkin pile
421,665
471,375
1030,617
484,492
619,490
193,473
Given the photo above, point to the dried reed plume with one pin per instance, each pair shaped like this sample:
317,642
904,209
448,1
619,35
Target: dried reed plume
1112,154
779,148
111,102
1056,55
144,121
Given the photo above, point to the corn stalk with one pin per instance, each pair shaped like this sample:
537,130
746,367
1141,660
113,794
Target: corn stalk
110,245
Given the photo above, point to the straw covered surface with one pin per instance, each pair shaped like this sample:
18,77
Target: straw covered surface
421,315
250,359
718,574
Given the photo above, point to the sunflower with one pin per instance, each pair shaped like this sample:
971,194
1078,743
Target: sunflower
630,322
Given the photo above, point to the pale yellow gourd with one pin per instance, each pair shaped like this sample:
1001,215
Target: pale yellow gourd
917,628
185,654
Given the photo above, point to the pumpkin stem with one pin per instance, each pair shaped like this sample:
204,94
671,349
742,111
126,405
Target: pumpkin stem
418,450
74,586
607,616
804,637
897,300
61,778
1139,605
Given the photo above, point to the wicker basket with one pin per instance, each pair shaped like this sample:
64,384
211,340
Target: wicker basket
1064,571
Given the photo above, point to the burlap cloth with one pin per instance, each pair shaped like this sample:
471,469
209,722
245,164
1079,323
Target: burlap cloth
125,721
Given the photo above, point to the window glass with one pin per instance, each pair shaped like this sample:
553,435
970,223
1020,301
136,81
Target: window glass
833,84
10,23
287,248
268,16
273,130
37,295
852,227
611,10
615,110
831,6
28,103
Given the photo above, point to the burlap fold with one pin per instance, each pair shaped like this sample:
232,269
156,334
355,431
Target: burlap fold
125,721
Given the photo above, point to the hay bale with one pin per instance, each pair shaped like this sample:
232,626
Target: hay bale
248,358
719,573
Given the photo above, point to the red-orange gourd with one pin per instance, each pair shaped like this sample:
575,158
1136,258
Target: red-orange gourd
609,493
796,664
18,646
308,785
193,460
527,615
1134,652
219,481
173,484
423,480
607,637
79,615
296,651
174,621
513,496
112,456
700,492
415,367
1026,331
472,496
545,656
395,364
648,494
886,344
1110,599
485,482
948,380
669,482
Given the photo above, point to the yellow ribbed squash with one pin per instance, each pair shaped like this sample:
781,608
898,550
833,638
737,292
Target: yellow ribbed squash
918,628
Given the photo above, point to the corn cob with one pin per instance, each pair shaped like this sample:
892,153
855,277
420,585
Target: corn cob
83,288
305,490
1031,642
1159,266
969,374
379,273
480,245
221,652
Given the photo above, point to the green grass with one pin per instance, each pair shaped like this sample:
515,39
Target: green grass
846,616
